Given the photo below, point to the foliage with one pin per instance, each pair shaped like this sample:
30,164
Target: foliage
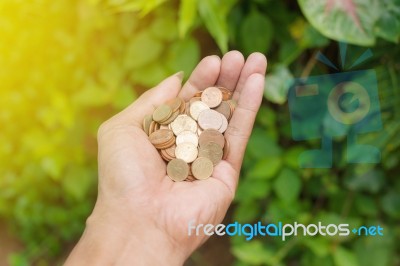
72,73
59,81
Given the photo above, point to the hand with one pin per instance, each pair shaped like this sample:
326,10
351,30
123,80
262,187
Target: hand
142,216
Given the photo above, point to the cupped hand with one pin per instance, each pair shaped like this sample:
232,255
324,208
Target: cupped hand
142,213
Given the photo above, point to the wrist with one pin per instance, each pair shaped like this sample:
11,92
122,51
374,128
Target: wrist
109,242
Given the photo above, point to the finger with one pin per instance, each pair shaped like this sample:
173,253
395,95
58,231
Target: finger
255,63
204,75
242,121
231,67
148,101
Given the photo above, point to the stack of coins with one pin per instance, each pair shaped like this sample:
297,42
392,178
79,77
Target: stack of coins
189,135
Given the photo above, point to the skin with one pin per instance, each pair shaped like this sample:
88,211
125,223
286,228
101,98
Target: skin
141,217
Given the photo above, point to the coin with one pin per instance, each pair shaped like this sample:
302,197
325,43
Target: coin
182,123
162,113
225,109
196,108
224,124
175,104
212,96
186,151
210,119
146,123
153,127
161,137
213,135
173,116
190,178
177,170
187,136
177,128
194,99
202,168
171,151
226,94
225,150
211,151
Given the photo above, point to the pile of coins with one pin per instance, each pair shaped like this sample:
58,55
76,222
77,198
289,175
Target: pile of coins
189,135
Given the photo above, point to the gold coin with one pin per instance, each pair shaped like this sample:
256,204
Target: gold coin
224,124
212,96
186,151
173,116
226,150
175,104
226,94
183,123
165,156
190,178
225,109
211,151
171,151
187,136
177,170
213,135
154,126
202,168
210,119
182,108
198,94
161,137
146,123
162,113
196,108
194,99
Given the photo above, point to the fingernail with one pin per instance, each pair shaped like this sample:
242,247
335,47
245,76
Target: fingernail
179,75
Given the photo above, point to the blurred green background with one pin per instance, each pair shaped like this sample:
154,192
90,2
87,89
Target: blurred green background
68,65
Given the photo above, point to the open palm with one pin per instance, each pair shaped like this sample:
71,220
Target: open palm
133,186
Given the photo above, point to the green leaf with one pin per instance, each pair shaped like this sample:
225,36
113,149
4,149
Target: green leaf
143,49
313,38
277,84
318,245
163,26
247,211
371,181
388,24
253,252
183,55
77,182
291,156
256,33
344,257
142,6
123,97
215,21
149,75
287,186
261,145
266,168
349,21
372,251
366,205
250,189
187,16
391,204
